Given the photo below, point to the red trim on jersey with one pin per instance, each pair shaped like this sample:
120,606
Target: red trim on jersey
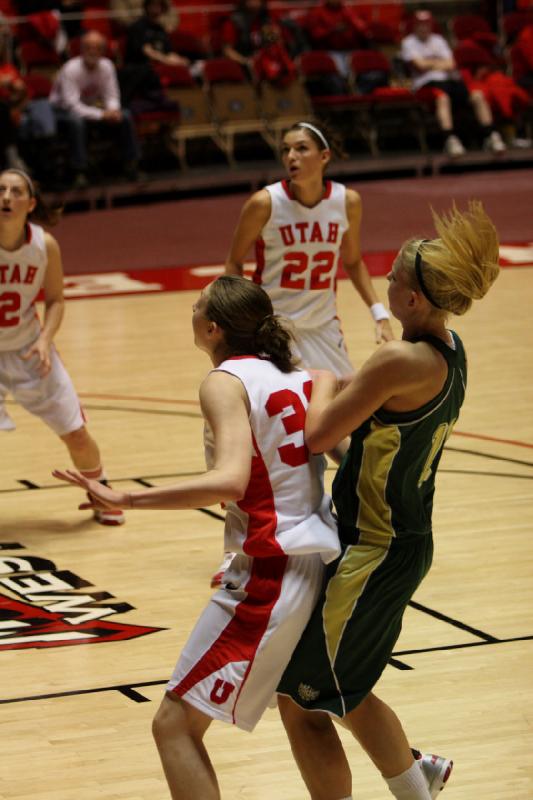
327,192
258,503
257,277
28,234
242,635
285,184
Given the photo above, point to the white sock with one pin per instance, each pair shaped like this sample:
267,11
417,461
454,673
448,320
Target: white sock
409,785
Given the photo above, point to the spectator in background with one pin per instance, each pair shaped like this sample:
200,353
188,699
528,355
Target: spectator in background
243,32
337,28
12,93
507,99
129,11
66,28
147,40
9,154
86,92
432,66
261,43
148,49
522,59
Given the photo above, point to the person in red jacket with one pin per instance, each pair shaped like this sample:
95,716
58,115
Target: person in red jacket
334,26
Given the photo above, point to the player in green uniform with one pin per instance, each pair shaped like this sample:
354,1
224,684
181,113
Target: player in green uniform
399,410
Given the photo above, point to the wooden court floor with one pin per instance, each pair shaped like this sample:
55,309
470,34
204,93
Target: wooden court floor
92,619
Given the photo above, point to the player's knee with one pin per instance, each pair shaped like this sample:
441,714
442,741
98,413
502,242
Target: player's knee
295,717
169,720
173,720
77,439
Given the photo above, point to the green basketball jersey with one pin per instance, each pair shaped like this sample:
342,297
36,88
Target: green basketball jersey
384,487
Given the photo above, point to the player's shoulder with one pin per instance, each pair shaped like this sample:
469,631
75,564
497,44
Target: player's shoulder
353,198
50,241
259,205
260,199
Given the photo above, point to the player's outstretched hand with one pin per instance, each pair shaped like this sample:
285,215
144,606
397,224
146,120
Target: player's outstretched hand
99,495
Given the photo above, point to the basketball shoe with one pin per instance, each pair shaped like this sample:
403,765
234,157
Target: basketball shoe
436,770
111,516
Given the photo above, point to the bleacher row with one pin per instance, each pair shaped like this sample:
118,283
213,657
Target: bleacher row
219,102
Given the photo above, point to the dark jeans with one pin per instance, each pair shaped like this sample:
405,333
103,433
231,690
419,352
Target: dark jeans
7,129
455,89
77,129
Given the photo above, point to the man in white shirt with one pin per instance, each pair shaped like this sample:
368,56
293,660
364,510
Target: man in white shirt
86,92
432,65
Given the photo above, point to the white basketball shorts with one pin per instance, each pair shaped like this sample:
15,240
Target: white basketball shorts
52,398
323,348
232,662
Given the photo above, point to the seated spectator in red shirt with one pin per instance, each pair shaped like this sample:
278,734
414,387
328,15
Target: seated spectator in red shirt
507,100
263,44
334,26
12,94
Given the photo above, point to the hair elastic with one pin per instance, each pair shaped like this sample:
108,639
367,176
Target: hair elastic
420,279
28,180
316,131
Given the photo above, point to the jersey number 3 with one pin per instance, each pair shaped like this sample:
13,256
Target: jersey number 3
291,454
9,308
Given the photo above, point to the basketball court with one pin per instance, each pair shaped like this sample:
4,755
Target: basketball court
92,619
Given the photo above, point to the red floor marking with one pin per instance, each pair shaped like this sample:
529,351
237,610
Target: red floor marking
183,277
492,439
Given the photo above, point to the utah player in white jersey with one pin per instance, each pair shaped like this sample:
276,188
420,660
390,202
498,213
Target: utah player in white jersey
30,368
278,522
302,227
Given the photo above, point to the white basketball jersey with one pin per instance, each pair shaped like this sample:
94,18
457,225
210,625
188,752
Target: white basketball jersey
297,254
284,510
22,274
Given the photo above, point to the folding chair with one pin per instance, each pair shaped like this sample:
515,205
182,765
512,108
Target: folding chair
195,120
234,104
37,57
393,108
332,97
281,107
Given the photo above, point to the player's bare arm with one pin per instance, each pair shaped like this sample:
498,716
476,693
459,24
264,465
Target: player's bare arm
254,216
399,376
224,405
354,265
54,306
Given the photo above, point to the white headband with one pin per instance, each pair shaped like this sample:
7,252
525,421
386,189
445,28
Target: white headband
29,182
316,131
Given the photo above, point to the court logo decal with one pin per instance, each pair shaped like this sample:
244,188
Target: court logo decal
52,611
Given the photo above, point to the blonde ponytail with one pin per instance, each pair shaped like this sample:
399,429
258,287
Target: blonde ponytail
461,264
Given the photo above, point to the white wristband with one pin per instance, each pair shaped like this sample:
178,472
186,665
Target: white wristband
379,312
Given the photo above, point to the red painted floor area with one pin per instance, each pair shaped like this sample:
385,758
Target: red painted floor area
183,277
